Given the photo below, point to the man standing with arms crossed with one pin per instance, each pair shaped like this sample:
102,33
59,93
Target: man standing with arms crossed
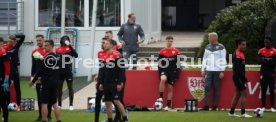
213,66
37,60
128,36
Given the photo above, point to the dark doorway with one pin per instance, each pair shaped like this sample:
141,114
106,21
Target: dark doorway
180,15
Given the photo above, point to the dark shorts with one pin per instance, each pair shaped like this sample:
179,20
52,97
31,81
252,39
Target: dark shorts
239,84
66,75
171,77
111,93
48,94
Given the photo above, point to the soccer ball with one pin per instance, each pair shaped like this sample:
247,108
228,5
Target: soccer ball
258,112
12,107
158,106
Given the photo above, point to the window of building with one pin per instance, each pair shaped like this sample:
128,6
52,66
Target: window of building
50,13
108,13
8,13
78,13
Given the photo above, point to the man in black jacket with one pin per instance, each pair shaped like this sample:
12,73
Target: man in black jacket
67,53
49,73
111,78
37,60
267,59
239,78
4,80
12,47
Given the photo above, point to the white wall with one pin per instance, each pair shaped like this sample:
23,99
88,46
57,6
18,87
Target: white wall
148,15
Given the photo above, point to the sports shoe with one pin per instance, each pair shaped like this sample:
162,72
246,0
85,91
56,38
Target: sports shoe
272,110
233,115
263,109
246,116
18,108
71,108
167,108
126,113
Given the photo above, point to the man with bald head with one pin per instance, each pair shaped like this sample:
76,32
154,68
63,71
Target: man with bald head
213,66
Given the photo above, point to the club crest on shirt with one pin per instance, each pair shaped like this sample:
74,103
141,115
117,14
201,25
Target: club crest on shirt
173,52
196,87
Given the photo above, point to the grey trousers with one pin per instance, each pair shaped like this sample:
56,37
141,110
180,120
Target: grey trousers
130,56
212,77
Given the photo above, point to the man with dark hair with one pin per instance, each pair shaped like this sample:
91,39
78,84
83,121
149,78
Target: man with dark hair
99,93
267,59
12,48
37,60
111,78
239,78
109,35
128,36
49,73
4,80
67,52
168,68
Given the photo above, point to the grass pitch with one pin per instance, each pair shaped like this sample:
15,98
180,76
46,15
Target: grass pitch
81,116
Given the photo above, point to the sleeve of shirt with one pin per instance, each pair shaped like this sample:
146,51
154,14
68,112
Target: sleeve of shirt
223,60
39,73
160,60
122,72
239,72
101,72
7,67
141,33
121,33
33,66
204,61
20,41
73,52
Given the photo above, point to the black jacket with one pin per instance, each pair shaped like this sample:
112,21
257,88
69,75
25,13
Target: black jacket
49,73
67,51
109,74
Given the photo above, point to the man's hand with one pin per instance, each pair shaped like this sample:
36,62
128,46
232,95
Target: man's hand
12,82
123,42
203,74
101,87
140,42
6,86
221,75
120,87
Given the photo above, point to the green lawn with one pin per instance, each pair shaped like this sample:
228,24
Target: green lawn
30,92
81,116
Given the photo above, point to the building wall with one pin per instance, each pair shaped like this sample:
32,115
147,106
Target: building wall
151,22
